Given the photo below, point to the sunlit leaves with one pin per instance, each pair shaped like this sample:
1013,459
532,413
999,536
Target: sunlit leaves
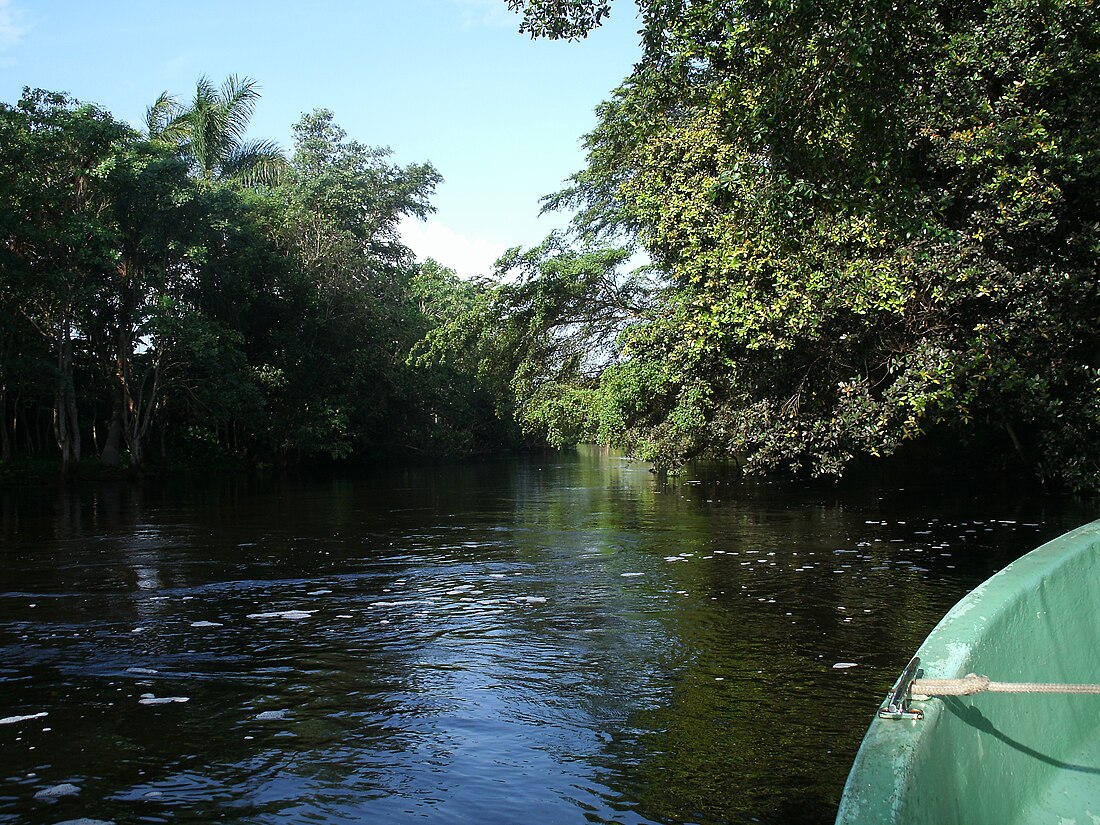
560,19
211,132
542,335
881,220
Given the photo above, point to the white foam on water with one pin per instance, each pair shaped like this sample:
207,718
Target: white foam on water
11,720
271,715
150,699
58,791
283,614
531,599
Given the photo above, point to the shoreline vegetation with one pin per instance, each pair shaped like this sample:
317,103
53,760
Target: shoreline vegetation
875,233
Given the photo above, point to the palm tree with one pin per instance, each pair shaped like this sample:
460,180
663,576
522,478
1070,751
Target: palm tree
210,132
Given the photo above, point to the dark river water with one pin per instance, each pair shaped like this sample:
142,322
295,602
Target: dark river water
565,639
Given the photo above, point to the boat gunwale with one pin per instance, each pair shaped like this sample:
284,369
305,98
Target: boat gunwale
882,776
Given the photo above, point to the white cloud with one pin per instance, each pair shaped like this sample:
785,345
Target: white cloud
488,13
13,25
469,257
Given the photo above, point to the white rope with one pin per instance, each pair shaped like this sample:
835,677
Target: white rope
972,683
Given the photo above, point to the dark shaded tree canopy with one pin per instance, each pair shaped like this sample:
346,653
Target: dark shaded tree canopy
189,295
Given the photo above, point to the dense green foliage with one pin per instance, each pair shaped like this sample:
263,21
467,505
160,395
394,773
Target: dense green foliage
185,294
881,224
541,335
877,225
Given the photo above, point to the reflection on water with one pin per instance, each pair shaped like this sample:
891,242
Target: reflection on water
565,639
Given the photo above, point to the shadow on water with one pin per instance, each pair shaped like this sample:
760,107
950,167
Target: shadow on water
565,638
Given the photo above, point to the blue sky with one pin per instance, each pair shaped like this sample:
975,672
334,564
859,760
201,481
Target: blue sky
446,81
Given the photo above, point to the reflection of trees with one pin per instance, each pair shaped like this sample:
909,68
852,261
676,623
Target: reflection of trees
87,559
741,713
508,618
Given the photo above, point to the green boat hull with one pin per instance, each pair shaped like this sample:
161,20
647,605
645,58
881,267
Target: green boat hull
993,757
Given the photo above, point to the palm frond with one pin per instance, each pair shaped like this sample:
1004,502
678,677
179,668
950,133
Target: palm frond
211,131
256,163
159,113
205,93
211,141
166,121
238,99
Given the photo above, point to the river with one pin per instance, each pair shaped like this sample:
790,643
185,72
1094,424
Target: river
554,639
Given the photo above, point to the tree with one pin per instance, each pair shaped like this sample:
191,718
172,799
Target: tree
335,377
162,284
234,296
57,245
211,132
881,223
541,336
458,410
148,198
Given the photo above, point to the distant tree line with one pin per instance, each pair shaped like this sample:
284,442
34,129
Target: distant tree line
182,294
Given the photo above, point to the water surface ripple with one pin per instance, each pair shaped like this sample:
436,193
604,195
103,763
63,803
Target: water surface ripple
549,640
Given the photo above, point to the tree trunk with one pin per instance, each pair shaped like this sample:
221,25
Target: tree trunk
5,444
131,406
112,448
5,434
1016,443
66,423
